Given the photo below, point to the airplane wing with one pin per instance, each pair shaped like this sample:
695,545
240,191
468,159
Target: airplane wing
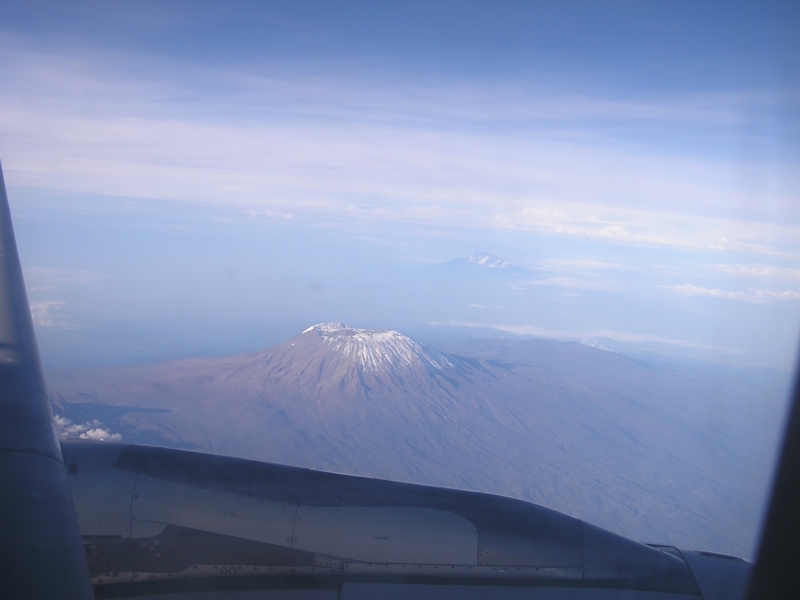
777,570
157,522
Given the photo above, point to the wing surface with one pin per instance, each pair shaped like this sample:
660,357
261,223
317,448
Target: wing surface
163,521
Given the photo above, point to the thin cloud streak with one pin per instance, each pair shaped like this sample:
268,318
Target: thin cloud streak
593,334
331,173
51,276
752,296
760,271
573,283
359,148
356,89
646,227
581,265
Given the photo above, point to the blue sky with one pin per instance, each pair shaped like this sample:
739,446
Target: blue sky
206,178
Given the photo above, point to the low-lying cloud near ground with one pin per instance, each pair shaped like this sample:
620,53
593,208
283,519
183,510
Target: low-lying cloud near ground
91,430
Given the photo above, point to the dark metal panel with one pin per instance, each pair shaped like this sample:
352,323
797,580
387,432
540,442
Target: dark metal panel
499,515
403,591
334,489
607,555
678,572
719,577
518,550
163,463
776,573
277,483
516,542
209,471
226,475
511,532
41,555
102,495
244,595
284,587
178,548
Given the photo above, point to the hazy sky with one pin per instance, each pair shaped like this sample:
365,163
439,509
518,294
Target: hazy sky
212,177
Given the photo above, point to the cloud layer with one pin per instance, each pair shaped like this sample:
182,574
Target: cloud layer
294,141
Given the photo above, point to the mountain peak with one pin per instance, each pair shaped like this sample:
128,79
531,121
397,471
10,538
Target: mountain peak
484,259
378,349
327,328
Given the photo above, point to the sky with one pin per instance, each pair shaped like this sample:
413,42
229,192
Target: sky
206,178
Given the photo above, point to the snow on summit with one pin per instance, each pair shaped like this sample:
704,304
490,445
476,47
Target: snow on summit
378,349
485,259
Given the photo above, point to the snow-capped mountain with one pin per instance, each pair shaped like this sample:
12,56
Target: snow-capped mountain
585,431
482,264
378,350
484,259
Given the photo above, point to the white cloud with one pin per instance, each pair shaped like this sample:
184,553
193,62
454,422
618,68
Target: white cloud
592,335
91,430
580,273
100,434
753,296
572,283
45,314
760,271
581,264
648,227
292,141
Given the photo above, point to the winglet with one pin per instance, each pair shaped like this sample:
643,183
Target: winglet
41,554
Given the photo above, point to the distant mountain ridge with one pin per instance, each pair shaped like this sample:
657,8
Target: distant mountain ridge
595,434
482,264
485,259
